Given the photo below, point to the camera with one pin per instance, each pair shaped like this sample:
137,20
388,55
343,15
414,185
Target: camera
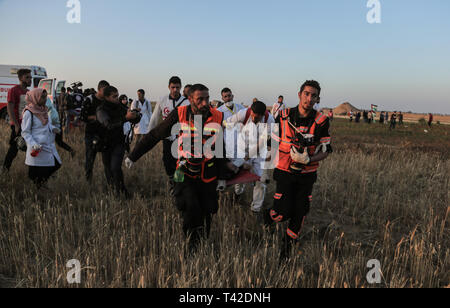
76,87
138,116
98,144
303,142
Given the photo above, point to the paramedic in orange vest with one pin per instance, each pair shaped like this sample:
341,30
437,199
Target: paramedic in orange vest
199,176
304,141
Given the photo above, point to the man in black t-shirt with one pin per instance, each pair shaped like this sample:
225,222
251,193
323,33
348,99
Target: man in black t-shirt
88,115
304,140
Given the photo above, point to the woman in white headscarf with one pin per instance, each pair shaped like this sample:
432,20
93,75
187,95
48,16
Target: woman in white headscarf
39,134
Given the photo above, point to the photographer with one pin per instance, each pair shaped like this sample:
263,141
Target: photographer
88,115
304,142
74,105
112,115
128,128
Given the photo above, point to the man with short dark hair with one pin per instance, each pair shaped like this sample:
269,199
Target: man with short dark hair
16,104
278,107
199,175
145,108
162,110
304,141
229,107
89,115
186,90
111,116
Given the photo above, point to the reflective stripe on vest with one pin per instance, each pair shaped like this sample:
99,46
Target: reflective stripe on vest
288,134
186,125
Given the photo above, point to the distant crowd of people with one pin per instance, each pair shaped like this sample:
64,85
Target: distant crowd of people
393,120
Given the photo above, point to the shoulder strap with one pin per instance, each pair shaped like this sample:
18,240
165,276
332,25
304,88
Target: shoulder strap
321,118
278,109
179,104
285,113
247,115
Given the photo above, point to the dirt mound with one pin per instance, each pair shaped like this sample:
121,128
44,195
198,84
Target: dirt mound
344,109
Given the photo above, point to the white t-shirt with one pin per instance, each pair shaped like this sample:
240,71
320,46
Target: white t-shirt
143,127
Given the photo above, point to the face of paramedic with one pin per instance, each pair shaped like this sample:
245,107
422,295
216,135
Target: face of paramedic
256,118
199,101
175,89
308,98
227,97
141,96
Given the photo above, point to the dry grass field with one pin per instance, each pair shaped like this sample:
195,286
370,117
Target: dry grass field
381,195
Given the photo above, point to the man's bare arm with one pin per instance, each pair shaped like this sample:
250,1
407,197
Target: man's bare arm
319,157
12,117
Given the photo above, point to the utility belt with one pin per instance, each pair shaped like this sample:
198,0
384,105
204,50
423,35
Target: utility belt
195,168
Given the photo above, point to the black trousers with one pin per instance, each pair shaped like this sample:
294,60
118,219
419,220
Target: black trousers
40,175
112,163
90,156
197,202
170,162
12,151
59,140
292,200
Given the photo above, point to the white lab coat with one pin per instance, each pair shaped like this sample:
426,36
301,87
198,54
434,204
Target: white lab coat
35,133
229,112
248,138
143,128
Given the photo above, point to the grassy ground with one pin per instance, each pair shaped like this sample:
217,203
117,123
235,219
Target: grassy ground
382,195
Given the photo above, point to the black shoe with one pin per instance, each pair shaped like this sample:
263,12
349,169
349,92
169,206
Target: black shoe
286,249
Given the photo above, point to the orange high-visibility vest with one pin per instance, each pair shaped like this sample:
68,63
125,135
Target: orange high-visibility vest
287,133
208,167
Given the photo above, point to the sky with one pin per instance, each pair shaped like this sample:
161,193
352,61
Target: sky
257,48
